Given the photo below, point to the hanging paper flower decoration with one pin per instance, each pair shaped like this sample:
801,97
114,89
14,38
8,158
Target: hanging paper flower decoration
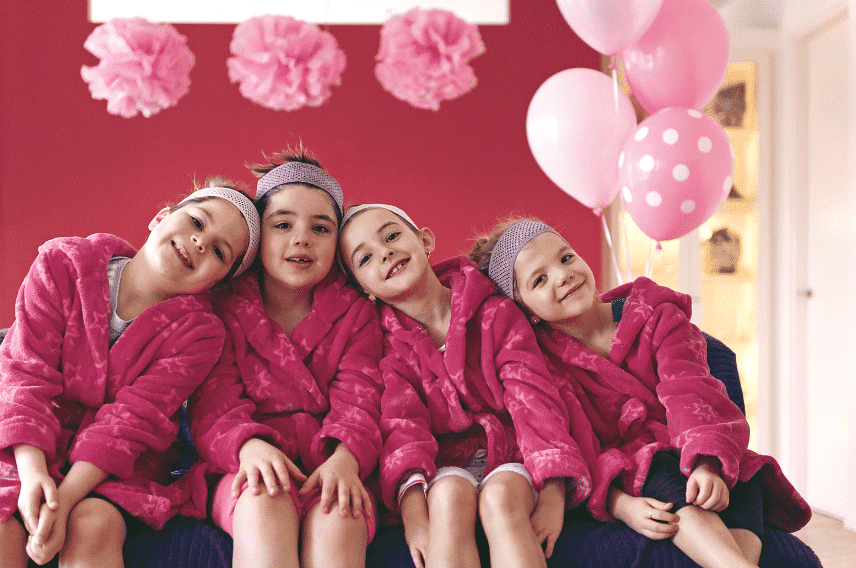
144,67
283,64
424,57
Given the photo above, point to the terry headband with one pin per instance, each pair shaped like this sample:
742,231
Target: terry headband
301,172
357,208
505,251
248,211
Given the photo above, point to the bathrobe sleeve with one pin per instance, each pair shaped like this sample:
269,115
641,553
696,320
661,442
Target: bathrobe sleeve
31,378
409,446
701,419
221,414
532,398
355,393
172,364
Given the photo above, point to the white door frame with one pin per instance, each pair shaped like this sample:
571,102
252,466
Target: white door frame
789,442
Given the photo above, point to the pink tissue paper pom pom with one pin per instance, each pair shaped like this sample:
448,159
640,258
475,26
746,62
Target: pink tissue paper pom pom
283,63
424,55
144,67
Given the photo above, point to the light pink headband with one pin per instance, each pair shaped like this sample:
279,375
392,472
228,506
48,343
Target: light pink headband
357,208
301,172
248,211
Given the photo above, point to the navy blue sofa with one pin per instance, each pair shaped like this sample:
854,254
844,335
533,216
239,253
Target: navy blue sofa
584,542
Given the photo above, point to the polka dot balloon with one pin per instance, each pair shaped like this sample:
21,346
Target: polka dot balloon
675,171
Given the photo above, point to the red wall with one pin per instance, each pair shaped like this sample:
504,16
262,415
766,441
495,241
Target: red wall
67,167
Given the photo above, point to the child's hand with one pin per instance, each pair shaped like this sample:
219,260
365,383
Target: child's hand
37,487
262,460
414,515
340,475
705,487
647,516
549,515
49,537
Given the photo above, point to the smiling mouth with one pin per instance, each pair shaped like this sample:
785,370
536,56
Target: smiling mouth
571,291
182,254
398,267
300,260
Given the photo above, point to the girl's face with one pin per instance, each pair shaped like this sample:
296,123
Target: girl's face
195,246
298,241
552,281
383,253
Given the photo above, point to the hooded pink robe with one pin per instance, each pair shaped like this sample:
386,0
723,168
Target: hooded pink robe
654,393
300,393
66,392
489,389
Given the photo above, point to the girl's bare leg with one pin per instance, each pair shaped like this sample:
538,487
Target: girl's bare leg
264,531
705,539
749,543
505,503
333,541
13,544
94,537
452,504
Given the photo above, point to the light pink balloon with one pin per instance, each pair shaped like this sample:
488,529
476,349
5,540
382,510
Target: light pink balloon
682,59
576,130
676,170
609,25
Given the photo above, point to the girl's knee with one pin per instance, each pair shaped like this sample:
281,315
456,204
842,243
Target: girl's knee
13,543
265,505
97,521
508,494
452,492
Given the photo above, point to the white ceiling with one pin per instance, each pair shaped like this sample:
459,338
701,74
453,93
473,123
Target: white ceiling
741,14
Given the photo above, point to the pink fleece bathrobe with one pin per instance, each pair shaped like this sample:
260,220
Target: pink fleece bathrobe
655,392
66,392
301,393
490,389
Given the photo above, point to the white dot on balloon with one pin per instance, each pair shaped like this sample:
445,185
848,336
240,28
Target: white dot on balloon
641,134
694,113
705,144
688,206
625,193
647,163
621,160
726,185
680,172
654,199
670,136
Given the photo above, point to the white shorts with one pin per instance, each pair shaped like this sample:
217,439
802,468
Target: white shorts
474,473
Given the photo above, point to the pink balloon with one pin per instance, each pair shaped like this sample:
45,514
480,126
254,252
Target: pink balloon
576,126
676,170
609,25
682,59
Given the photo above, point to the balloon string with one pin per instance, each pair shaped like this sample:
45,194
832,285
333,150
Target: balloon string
627,228
614,84
611,248
648,262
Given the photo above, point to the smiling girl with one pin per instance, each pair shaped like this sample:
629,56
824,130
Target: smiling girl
107,344
296,390
673,451
467,401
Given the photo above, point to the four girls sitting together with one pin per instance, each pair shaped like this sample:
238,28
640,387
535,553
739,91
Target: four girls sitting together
338,379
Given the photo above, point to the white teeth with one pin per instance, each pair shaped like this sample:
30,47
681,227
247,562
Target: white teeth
397,269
